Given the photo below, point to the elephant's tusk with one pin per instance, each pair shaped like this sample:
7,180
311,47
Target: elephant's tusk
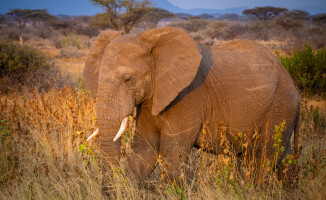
122,128
93,135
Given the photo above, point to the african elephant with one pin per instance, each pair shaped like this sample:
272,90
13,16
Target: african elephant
177,86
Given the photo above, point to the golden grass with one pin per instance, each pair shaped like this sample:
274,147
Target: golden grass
44,155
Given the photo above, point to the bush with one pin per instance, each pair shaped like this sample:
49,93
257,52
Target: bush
289,23
16,59
23,67
192,25
72,40
44,155
308,69
71,52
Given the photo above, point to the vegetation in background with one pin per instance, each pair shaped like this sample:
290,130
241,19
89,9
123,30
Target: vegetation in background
15,60
265,13
153,15
193,25
319,19
23,67
2,20
292,29
308,69
72,40
21,16
121,14
292,19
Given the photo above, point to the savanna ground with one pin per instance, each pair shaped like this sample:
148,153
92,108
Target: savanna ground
45,119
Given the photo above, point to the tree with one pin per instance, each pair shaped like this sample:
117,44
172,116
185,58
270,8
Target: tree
153,15
319,19
192,25
3,19
23,15
122,14
265,13
297,14
292,19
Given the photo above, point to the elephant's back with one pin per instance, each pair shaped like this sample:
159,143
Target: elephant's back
245,53
245,60
245,76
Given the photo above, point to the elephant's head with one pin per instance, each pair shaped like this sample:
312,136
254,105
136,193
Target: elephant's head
151,68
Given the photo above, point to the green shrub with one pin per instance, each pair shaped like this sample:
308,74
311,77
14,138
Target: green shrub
15,60
72,40
192,25
23,68
308,69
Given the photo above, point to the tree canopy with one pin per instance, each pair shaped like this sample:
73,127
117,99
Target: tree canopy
31,14
27,14
297,14
153,15
122,14
265,13
2,19
319,19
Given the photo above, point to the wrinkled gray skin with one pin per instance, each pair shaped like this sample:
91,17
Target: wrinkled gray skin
177,86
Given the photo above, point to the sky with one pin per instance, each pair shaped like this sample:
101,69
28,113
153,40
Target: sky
84,7
222,4
55,7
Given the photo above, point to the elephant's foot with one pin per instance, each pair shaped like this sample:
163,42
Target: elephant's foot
141,167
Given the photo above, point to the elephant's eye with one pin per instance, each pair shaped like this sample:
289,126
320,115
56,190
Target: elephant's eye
126,78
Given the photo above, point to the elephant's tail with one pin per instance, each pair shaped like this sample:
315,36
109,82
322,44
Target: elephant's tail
296,146
296,135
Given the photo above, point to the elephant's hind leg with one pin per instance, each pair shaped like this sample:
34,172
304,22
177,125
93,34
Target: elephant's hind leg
276,144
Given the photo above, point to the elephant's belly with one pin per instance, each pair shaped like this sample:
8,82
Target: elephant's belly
217,137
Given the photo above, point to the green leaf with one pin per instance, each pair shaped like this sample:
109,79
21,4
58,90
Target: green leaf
282,149
179,191
81,148
168,190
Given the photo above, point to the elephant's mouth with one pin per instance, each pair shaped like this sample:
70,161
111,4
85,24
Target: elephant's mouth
118,135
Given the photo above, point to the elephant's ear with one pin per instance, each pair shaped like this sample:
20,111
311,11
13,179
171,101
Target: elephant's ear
177,59
94,58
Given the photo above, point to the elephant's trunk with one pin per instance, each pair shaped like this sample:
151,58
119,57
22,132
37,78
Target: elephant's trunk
113,108
110,150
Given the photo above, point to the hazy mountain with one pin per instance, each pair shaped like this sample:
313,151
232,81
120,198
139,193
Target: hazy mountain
165,4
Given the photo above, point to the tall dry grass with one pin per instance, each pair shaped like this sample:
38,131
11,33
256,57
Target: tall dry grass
44,155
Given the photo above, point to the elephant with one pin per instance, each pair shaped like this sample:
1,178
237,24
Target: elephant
177,87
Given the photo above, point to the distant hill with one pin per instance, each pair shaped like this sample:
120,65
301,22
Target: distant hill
165,4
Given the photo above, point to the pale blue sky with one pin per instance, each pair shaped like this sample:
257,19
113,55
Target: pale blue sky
221,4
85,7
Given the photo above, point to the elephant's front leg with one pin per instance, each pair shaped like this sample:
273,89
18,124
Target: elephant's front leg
175,148
143,158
